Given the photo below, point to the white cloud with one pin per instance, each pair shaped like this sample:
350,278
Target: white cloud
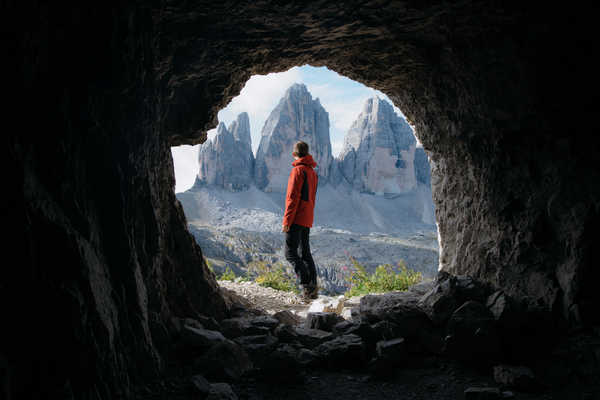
258,98
185,163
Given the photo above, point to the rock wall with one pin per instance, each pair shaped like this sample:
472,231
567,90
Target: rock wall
379,151
296,117
99,93
227,161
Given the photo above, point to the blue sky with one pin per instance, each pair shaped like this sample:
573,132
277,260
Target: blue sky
341,97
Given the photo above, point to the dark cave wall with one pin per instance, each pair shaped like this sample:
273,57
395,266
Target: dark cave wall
99,93
103,259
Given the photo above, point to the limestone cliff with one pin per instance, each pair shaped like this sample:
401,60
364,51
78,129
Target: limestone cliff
227,160
379,151
296,117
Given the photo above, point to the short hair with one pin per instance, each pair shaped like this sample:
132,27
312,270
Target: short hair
300,149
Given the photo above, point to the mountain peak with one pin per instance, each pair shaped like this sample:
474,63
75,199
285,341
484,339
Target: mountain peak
240,128
296,117
227,160
297,89
379,150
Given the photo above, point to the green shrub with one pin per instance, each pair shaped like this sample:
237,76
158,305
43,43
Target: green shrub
384,279
228,275
274,277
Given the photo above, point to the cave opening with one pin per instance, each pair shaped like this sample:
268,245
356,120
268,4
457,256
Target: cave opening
383,217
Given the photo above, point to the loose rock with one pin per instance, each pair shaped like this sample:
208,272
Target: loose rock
324,321
517,377
347,351
226,360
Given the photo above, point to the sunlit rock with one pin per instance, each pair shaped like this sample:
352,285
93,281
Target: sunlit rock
296,117
379,151
227,161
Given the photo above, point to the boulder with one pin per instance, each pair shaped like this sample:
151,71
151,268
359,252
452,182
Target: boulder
324,321
327,304
347,313
360,328
422,287
257,346
472,335
447,293
385,330
403,310
312,337
440,302
305,336
346,351
200,338
287,317
224,361
391,306
284,364
516,377
265,321
244,326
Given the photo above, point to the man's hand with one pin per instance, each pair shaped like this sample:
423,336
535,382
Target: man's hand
285,228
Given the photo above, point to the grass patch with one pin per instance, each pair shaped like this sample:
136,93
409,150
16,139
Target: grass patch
275,277
384,279
228,275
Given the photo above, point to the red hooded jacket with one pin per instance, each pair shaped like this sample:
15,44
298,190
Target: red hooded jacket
301,193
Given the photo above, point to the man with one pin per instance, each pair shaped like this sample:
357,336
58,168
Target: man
298,218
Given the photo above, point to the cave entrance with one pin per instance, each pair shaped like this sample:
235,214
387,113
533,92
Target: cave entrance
374,207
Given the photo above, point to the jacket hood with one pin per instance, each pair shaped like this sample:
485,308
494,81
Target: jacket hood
306,160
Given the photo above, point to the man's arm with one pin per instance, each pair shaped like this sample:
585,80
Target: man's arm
292,198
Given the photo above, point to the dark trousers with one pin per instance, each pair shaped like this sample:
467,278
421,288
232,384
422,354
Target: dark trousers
303,264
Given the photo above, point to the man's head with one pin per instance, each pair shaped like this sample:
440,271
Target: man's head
300,149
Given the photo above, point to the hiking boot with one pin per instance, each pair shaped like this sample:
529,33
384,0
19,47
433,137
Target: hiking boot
310,292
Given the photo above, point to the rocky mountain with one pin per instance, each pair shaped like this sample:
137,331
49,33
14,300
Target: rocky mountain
379,151
422,167
227,161
296,117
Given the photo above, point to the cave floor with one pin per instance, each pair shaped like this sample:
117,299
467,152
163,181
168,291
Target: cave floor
444,379
431,383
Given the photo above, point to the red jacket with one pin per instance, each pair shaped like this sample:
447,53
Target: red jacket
301,193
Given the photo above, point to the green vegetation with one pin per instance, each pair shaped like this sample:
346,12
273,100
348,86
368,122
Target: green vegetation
384,279
209,265
228,275
275,277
